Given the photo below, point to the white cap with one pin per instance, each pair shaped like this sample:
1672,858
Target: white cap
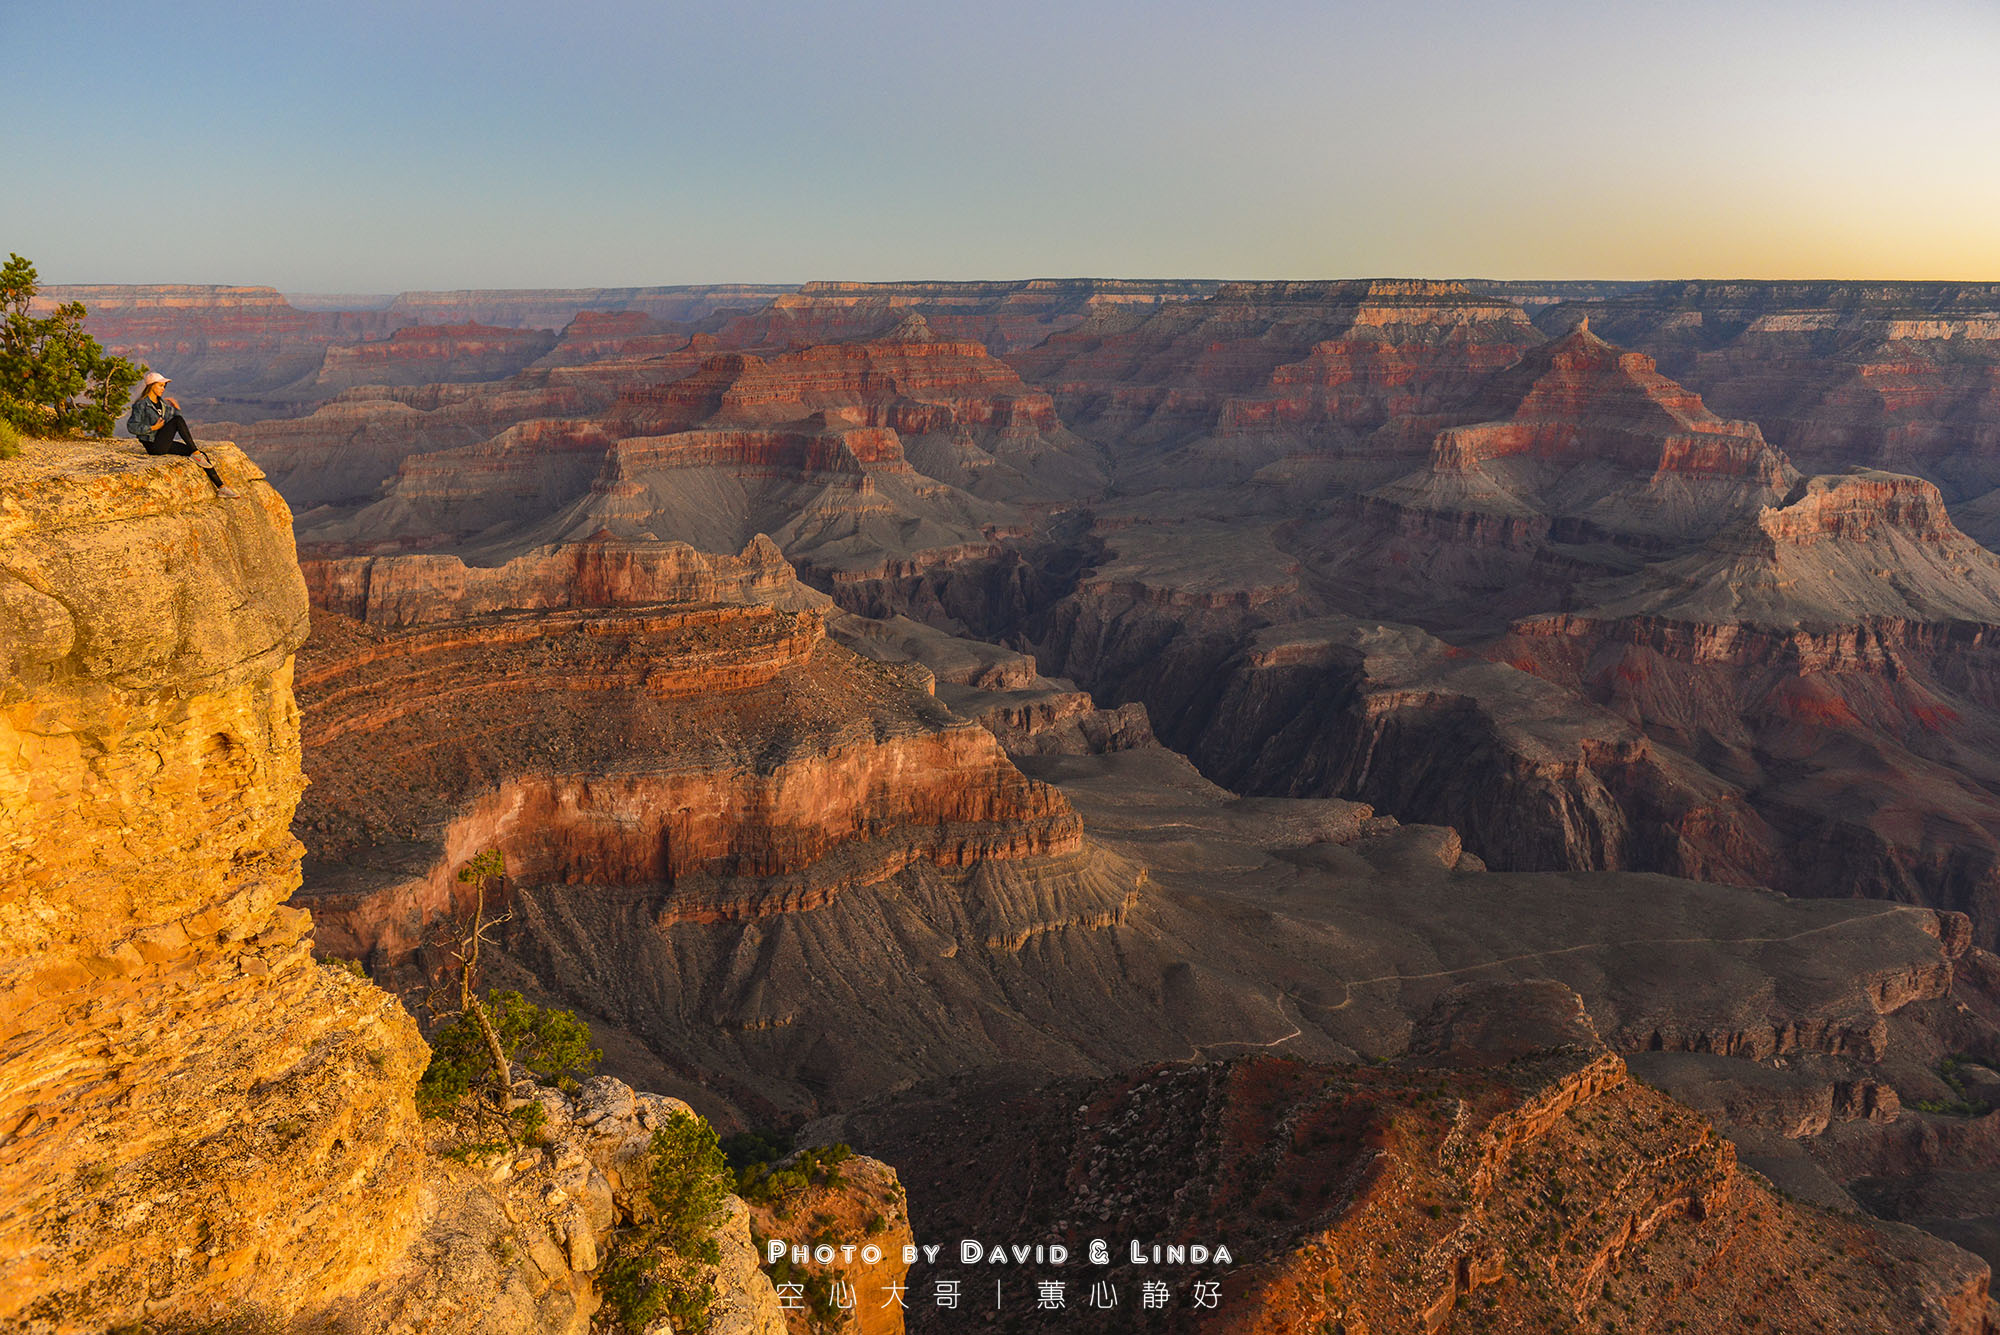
153,378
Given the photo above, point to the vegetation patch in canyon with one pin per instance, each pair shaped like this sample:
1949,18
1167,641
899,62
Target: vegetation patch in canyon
661,1267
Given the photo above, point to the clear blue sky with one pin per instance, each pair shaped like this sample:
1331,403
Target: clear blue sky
360,146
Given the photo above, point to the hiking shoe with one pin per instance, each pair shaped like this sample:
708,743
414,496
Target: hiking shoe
228,493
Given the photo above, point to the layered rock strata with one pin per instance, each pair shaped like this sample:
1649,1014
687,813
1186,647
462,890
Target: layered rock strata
431,354
553,308
1832,656
419,590
232,351
1211,391
1898,376
861,460
726,761
1591,441
1003,316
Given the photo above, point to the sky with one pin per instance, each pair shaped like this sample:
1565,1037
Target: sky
374,147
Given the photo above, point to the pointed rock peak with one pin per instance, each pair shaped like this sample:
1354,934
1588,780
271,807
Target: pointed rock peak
914,328
1582,335
1583,347
763,550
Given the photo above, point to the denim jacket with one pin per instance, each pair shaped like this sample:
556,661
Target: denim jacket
146,417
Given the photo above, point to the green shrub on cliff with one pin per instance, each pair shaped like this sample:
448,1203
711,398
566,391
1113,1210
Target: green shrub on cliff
10,439
55,380
552,1043
765,1183
657,1268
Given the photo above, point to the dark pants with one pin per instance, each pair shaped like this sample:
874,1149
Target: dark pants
163,442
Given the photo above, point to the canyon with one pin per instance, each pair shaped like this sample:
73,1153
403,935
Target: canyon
1407,744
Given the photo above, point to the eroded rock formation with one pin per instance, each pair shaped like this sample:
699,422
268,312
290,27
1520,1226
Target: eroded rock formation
1472,1188
726,762
1210,392
232,351
860,460
429,354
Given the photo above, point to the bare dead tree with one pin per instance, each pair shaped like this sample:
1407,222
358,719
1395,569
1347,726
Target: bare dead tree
469,937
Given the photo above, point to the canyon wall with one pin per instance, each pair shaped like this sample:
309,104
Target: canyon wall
1898,376
232,351
726,762
419,590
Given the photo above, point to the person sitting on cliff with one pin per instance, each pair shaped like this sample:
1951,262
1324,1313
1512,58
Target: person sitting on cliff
156,426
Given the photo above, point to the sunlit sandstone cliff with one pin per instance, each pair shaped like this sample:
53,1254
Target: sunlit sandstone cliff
196,1114
202,1127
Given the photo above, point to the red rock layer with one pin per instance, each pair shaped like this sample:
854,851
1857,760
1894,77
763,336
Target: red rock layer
418,590
713,649
726,762
795,454
422,354
1586,442
1256,358
861,460
1582,399
910,383
1903,376
1834,657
